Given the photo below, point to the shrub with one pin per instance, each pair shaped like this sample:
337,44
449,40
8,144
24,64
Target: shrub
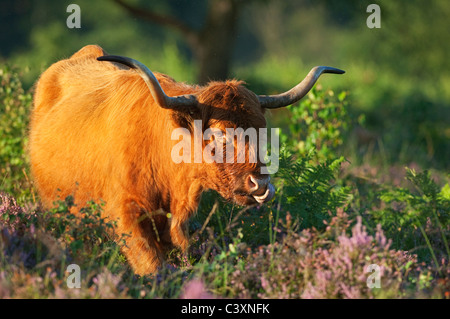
417,217
308,189
318,122
15,104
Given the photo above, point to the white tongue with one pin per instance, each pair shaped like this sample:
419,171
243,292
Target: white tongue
270,191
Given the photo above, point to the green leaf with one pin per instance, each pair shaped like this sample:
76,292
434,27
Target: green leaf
445,192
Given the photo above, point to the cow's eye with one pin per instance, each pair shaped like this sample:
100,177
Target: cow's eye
221,139
193,111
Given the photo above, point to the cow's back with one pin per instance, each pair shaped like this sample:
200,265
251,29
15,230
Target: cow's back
75,134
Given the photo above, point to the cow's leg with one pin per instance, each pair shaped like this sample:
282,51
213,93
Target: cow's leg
179,232
181,211
142,248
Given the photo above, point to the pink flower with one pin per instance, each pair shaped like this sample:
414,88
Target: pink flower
195,289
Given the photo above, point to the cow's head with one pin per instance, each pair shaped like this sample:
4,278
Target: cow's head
224,107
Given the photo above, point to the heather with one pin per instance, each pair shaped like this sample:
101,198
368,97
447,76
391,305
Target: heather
332,264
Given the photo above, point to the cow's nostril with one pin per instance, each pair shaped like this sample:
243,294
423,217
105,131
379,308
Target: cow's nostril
252,184
257,186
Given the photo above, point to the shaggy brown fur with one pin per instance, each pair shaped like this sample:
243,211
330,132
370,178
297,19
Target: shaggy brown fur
96,133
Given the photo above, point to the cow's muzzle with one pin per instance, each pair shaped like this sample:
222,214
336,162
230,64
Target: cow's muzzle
260,188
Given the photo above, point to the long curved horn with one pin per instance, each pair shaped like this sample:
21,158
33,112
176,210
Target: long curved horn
165,101
297,92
